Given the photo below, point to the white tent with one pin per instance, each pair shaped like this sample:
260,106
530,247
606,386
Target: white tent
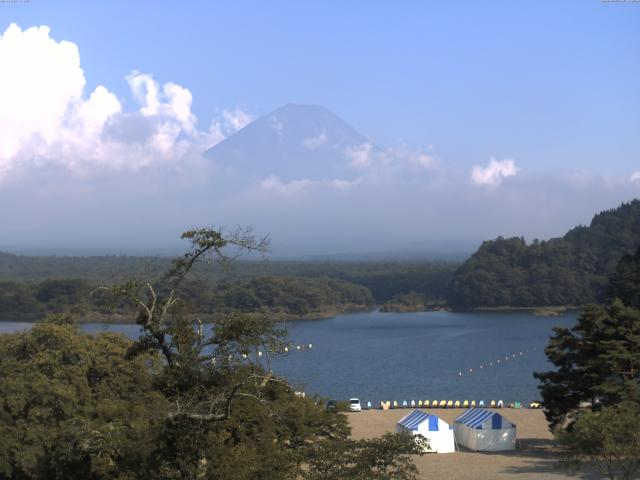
438,433
485,431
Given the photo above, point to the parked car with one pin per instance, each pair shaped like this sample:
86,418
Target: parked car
332,406
354,405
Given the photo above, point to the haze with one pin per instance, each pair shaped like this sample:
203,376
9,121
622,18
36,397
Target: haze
340,127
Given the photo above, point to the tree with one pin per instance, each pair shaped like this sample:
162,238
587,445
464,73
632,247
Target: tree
597,361
608,440
231,416
625,282
571,270
73,406
184,401
386,458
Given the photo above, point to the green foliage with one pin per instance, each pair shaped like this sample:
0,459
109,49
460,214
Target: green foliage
386,458
608,440
595,360
383,279
178,403
72,405
625,282
286,295
274,296
404,302
572,270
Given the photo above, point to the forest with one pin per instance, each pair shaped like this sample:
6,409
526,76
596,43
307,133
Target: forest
32,286
570,271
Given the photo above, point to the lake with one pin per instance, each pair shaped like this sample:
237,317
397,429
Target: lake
410,356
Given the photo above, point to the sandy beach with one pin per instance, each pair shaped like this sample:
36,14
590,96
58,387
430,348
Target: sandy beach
533,459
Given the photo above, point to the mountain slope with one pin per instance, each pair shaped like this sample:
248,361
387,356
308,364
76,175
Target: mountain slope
572,270
293,142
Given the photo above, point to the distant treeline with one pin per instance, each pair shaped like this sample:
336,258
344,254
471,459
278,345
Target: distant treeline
572,270
507,272
33,286
272,296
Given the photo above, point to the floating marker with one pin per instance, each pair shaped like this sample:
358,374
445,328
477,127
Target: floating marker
259,353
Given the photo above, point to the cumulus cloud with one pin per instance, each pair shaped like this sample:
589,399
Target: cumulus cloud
312,143
46,118
635,178
494,173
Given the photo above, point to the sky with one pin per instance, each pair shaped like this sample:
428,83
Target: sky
526,114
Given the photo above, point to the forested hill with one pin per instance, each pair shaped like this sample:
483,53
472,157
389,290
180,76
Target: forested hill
572,270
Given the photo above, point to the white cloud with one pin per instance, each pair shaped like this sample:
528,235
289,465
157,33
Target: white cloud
45,117
274,184
344,184
398,163
236,119
294,187
635,178
421,160
360,156
312,143
276,124
494,173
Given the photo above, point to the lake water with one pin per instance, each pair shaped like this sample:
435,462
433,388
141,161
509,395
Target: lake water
389,356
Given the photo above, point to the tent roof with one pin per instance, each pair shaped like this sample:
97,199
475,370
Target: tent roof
415,418
475,417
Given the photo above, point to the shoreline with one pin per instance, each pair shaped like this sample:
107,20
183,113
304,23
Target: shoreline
129,319
552,310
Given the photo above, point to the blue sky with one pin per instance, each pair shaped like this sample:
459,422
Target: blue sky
552,85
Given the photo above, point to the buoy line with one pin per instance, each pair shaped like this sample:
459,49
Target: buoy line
287,349
495,363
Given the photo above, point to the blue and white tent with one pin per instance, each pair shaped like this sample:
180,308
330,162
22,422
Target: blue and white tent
485,431
439,434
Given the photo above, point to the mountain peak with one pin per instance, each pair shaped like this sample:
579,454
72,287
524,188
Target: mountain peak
295,141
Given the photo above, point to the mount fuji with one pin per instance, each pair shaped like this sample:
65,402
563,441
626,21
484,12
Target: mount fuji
294,142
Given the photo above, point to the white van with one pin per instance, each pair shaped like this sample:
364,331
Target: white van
354,405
